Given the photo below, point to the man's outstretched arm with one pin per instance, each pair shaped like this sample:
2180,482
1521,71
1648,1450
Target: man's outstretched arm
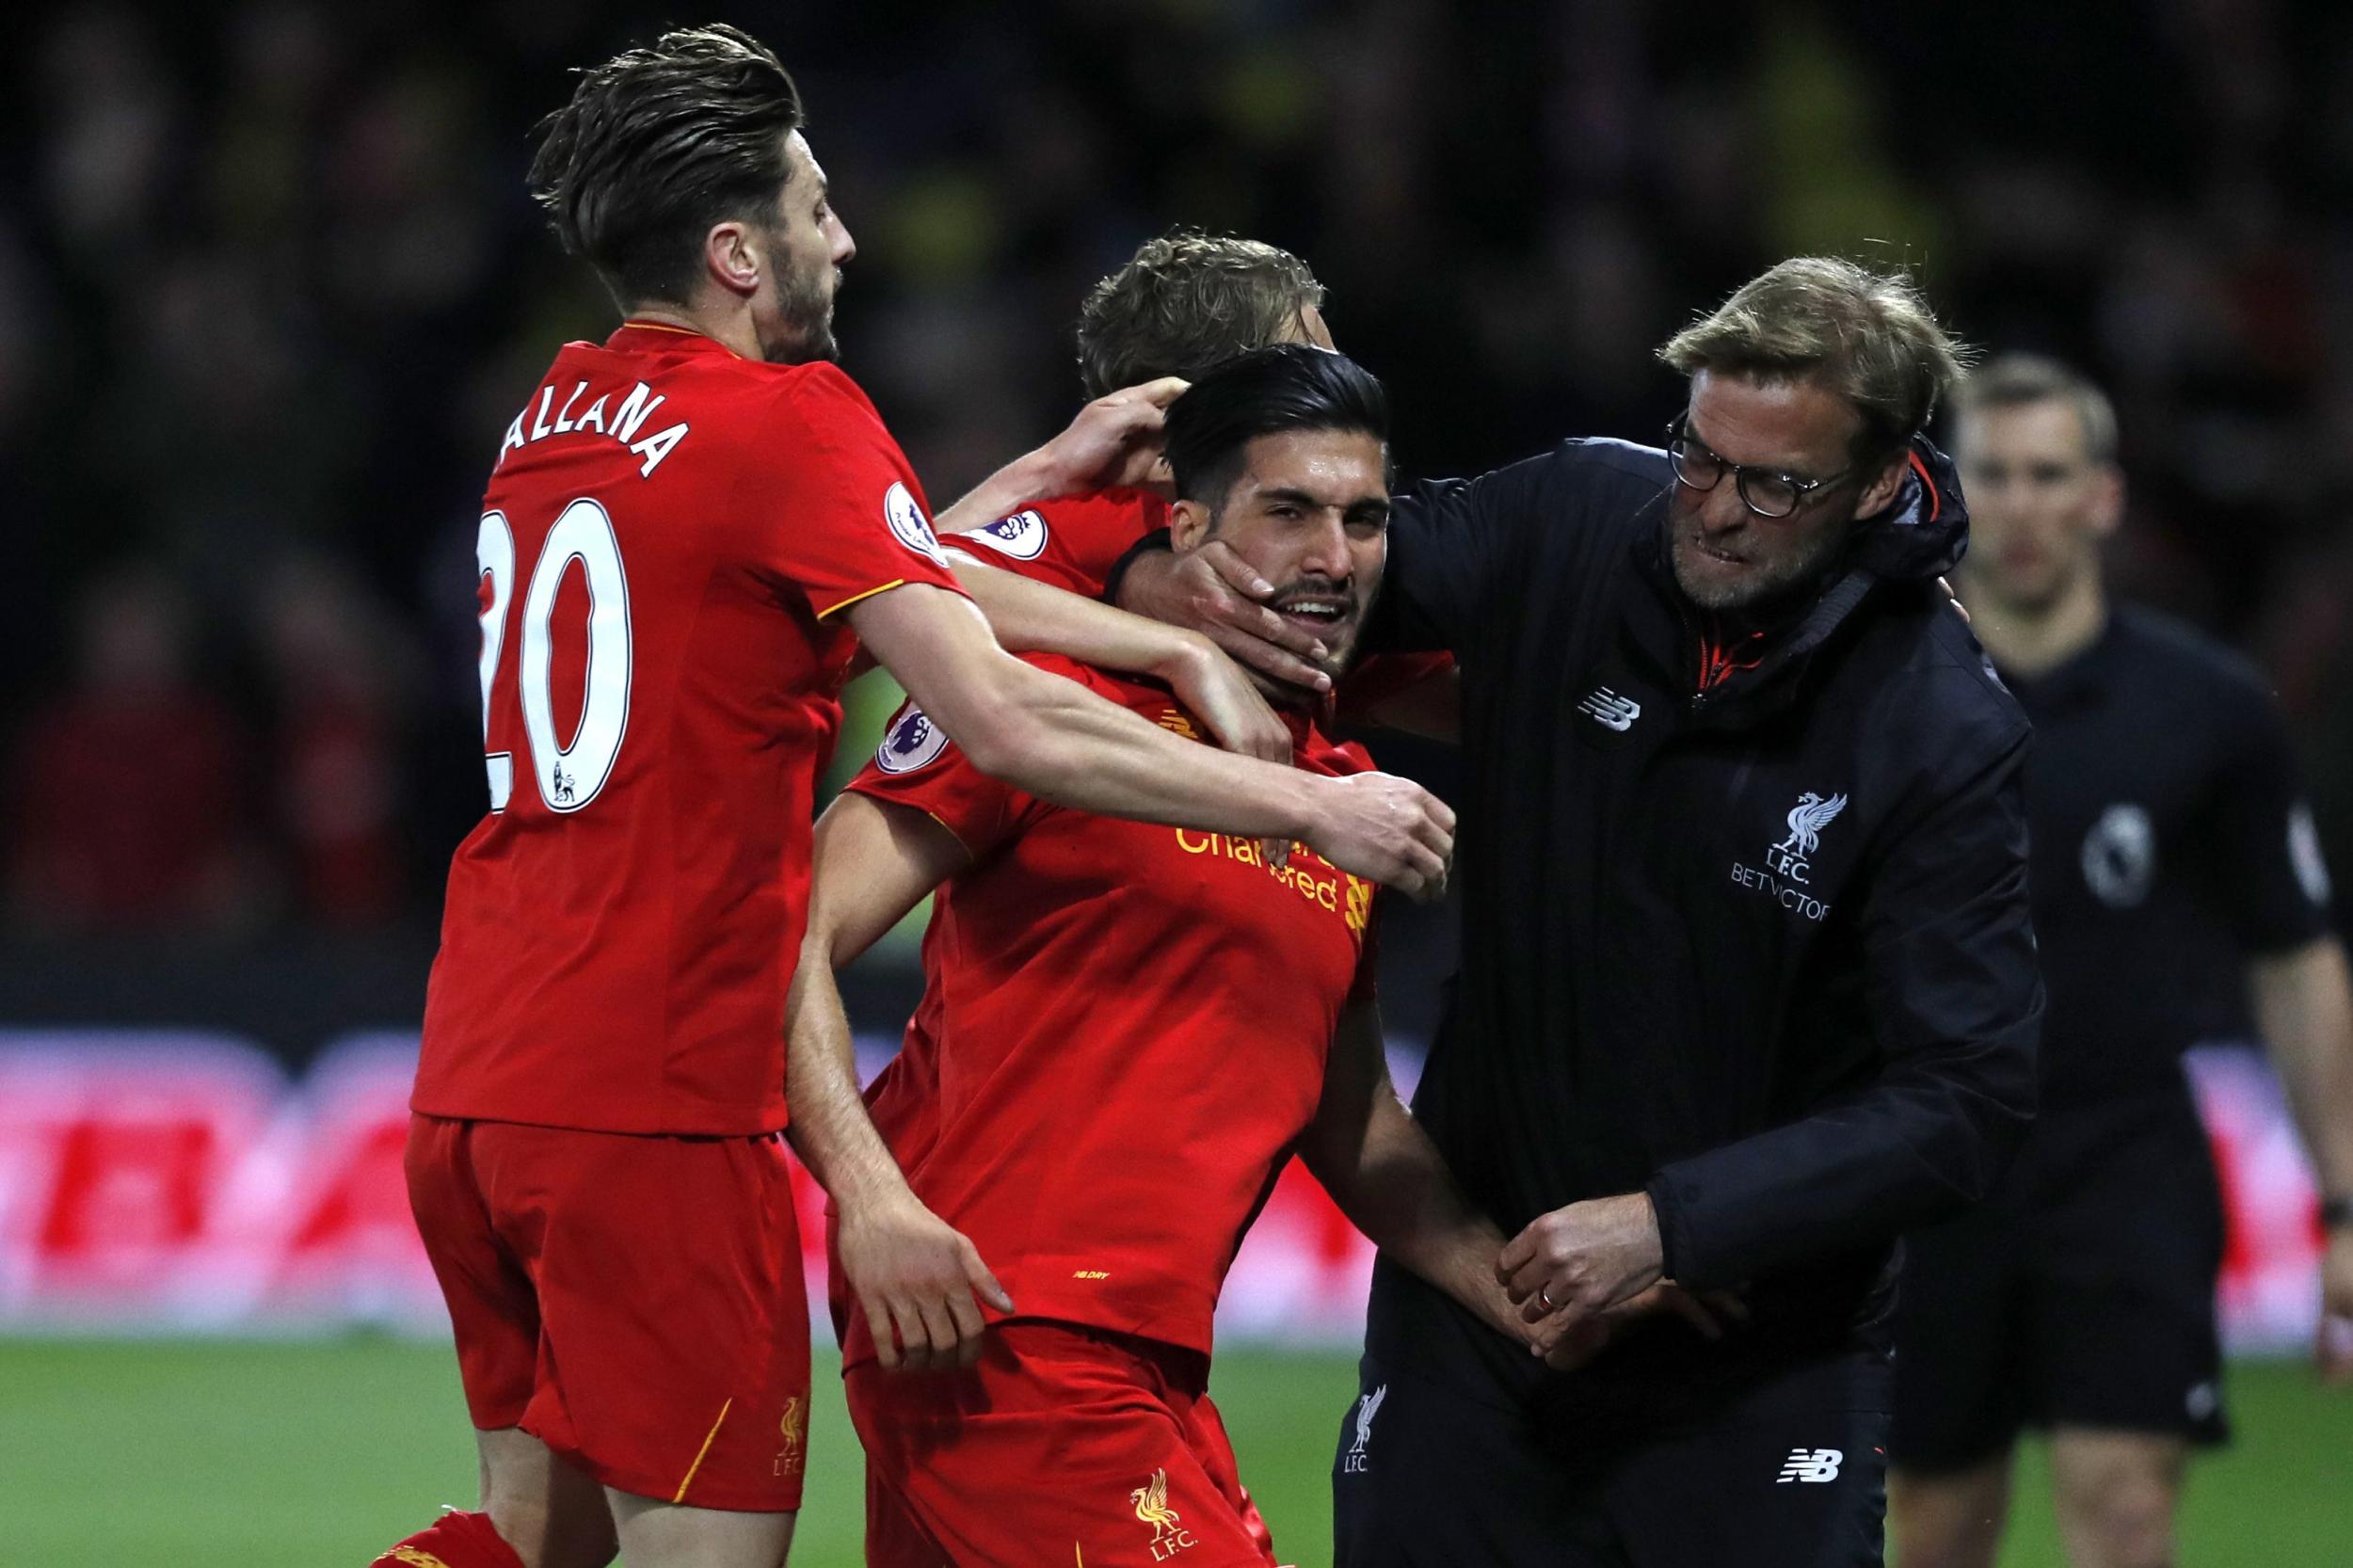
1956,1000
1038,617
1060,743
1390,1181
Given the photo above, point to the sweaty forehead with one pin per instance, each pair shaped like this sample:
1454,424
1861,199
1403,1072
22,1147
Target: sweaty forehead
1794,424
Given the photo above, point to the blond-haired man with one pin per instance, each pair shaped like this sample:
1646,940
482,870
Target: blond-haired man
1748,983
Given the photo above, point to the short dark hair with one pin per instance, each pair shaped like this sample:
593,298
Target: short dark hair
656,146
2014,380
1290,385
1186,302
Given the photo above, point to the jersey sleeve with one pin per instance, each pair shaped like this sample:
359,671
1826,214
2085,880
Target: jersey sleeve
919,767
838,512
2269,871
1071,544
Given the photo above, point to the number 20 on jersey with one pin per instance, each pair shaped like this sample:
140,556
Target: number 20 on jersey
569,776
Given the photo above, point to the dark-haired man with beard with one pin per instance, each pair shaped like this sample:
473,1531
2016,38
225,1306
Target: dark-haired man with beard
689,532
1125,1032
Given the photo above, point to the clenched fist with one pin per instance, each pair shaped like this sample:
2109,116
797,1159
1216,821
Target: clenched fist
1385,828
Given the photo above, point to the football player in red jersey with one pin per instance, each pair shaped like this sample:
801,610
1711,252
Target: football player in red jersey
1127,1031
1182,304
688,531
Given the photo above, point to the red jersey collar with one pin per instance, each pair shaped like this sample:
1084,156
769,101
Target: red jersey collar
660,336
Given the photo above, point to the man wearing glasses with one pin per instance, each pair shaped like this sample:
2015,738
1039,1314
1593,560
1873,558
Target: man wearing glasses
1748,983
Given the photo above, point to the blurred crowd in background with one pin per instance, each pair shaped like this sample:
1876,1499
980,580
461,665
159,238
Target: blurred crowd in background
271,289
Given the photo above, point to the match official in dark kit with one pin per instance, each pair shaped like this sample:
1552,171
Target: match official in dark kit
1747,980
2177,885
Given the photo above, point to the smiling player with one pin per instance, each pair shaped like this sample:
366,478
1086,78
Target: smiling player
1125,1032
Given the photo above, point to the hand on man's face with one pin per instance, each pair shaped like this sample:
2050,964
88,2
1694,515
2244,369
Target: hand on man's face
1217,593
1281,568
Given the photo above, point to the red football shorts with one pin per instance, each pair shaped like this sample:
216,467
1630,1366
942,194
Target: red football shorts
635,1302
1063,1445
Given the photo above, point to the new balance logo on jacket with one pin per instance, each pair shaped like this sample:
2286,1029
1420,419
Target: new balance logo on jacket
1811,1464
1610,711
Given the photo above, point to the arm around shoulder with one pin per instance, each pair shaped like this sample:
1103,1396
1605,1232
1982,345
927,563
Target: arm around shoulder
1055,739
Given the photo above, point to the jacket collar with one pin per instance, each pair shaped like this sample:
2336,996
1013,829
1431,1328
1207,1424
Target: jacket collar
1920,536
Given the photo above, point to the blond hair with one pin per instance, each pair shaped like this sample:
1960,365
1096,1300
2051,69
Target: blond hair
1868,336
1185,303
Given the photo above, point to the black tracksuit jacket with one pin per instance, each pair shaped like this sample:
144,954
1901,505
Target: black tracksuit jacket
1762,951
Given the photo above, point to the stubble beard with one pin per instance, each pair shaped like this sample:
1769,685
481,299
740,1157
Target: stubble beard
1759,584
805,303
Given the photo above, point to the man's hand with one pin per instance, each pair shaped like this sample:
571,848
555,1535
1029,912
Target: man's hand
1215,592
916,1277
1387,830
1583,1260
1214,687
1567,1340
2333,1350
1115,440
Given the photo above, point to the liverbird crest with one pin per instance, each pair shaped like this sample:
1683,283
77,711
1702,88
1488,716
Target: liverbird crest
1807,819
1366,1411
1151,1500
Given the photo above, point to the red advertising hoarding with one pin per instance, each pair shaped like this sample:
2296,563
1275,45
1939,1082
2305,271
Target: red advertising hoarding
162,1182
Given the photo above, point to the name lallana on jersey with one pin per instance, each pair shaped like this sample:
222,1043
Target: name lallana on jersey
636,408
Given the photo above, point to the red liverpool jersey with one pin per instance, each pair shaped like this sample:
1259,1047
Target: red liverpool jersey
1123,1033
668,537
1074,542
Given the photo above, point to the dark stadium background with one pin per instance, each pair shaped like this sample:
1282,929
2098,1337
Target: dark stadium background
271,290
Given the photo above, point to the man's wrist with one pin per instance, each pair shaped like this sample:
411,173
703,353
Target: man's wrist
1308,795
868,1190
1035,476
1177,653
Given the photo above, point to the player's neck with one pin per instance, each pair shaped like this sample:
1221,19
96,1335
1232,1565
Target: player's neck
2032,642
730,329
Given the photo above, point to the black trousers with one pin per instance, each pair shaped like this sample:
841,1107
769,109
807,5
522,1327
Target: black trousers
1462,1454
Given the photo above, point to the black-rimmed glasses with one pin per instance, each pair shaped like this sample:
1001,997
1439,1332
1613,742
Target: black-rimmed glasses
1768,492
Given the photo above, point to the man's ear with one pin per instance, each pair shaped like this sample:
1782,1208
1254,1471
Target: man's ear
2107,504
734,257
1189,523
1880,493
